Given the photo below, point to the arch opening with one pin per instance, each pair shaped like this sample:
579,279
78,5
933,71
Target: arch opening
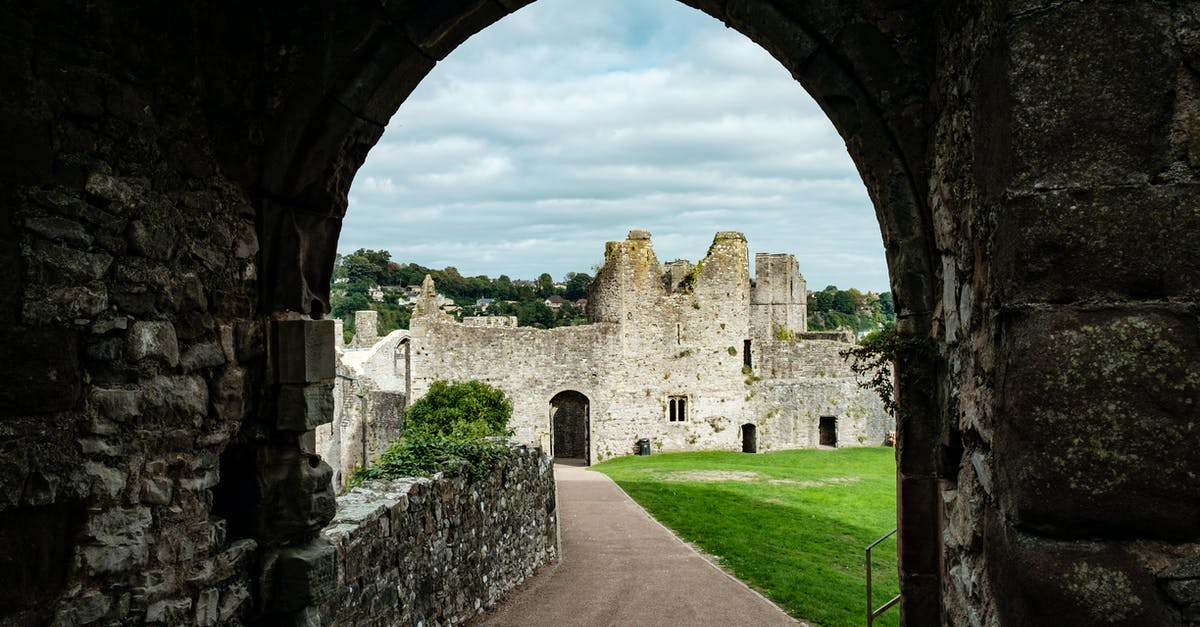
749,438
570,426
875,101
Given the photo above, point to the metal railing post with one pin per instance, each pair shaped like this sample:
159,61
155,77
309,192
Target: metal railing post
872,611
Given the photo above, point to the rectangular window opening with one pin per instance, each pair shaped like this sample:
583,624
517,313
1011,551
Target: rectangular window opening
746,354
677,408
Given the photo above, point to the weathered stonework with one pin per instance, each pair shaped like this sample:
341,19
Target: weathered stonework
658,334
440,551
370,395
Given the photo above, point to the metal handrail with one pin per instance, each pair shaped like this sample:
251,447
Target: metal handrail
872,611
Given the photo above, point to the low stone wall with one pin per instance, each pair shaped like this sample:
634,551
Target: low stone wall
440,551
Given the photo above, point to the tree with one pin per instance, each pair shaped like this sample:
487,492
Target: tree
345,306
460,410
577,284
823,300
843,302
886,306
535,314
545,285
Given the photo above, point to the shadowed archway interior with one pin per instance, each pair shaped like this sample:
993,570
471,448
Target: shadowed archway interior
173,184
569,426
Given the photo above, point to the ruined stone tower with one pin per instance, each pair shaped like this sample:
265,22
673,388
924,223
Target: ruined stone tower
779,299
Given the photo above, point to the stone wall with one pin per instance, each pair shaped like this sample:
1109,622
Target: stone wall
370,395
658,333
440,551
180,170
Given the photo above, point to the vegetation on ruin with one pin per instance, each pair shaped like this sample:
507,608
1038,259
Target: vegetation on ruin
792,524
874,359
455,427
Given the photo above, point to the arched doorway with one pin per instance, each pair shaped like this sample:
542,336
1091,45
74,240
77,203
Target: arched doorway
749,438
570,426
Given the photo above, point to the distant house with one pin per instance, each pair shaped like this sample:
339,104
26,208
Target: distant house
580,304
555,302
408,295
376,293
484,303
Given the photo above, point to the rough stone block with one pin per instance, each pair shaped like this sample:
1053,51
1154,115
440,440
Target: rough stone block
202,355
40,370
300,576
297,494
1097,423
153,340
117,404
304,407
1066,246
304,351
175,398
168,611
234,603
1067,132
208,607
442,26
1079,583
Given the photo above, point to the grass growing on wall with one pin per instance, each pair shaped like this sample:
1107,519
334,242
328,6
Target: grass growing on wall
792,524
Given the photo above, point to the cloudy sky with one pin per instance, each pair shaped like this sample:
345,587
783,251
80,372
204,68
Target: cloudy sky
570,122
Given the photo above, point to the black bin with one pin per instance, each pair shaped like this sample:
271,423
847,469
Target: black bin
643,446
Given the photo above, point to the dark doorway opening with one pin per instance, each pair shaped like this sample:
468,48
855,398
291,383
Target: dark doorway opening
569,428
828,431
749,438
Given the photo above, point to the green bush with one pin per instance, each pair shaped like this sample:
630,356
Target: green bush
448,429
465,410
422,457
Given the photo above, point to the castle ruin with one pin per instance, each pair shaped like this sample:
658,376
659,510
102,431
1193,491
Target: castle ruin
686,356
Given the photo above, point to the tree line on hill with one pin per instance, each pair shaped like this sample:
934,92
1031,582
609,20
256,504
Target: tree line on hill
831,309
357,274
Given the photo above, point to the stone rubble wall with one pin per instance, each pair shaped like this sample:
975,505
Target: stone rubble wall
530,365
783,359
377,374
440,551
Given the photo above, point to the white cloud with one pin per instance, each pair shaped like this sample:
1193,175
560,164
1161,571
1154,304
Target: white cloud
572,121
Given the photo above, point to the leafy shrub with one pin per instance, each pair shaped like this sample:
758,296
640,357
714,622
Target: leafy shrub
874,359
466,410
449,429
422,457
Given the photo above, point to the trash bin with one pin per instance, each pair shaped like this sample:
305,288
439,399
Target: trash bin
643,446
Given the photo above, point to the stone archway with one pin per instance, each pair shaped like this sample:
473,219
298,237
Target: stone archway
871,77
570,426
173,185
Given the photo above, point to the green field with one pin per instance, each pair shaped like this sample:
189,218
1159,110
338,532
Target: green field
792,524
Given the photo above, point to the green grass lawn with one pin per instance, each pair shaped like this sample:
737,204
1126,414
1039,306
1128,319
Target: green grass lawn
792,524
